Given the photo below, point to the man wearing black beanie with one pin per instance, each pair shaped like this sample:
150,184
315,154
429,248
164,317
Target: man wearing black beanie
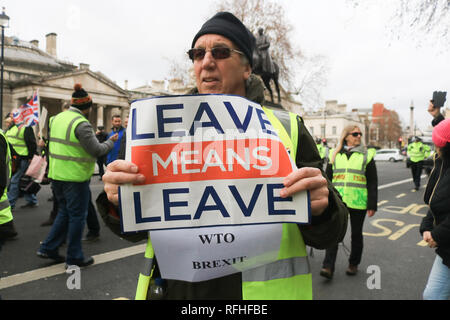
73,150
222,56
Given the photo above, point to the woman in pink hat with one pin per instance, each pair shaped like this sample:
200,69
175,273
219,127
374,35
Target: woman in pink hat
435,227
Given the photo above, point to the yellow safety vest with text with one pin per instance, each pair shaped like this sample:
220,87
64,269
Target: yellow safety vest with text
349,176
289,277
5,208
16,137
418,151
68,159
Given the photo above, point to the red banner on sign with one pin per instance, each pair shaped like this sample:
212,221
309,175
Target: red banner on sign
211,160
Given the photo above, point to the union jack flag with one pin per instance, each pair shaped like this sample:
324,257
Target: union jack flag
27,114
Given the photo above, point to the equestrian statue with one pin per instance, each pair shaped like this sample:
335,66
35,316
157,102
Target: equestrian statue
263,65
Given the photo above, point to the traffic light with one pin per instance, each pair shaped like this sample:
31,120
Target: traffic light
400,140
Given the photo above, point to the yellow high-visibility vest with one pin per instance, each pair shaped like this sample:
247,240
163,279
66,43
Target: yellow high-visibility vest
16,137
68,161
349,176
418,151
5,208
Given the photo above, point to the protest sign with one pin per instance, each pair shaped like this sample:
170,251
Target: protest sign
209,160
42,120
214,167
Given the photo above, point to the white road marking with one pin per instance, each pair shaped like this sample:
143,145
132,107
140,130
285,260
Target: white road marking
401,195
398,182
18,279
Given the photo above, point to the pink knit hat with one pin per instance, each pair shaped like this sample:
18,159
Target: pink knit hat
441,133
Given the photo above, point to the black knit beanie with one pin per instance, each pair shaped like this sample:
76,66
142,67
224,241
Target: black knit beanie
80,98
227,25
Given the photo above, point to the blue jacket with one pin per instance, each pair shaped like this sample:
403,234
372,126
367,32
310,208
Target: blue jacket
112,155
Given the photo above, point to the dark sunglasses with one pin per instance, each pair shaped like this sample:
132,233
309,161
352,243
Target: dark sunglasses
217,53
356,134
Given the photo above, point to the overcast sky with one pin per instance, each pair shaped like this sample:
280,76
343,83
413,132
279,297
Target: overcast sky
134,40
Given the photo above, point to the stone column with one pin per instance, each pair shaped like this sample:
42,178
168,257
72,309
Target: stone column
100,116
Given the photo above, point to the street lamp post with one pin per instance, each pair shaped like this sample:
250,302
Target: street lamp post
4,23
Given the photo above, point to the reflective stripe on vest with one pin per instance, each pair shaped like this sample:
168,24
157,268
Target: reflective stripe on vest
68,159
349,177
146,273
289,277
16,137
280,269
5,207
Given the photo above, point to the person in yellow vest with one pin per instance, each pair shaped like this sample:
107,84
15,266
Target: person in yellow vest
320,148
24,144
7,229
222,57
354,174
73,150
323,149
417,152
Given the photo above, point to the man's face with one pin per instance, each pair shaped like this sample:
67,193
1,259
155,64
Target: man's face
116,122
220,76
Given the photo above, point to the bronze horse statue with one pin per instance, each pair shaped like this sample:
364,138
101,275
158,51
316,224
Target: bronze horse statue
267,76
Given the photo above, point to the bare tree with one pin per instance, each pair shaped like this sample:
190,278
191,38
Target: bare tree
428,21
182,69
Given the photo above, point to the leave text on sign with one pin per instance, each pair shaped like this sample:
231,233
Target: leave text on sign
211,202
204,110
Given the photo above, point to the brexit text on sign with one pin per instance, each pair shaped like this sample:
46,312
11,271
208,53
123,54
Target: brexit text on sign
209,160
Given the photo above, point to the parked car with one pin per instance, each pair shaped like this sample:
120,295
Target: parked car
392,155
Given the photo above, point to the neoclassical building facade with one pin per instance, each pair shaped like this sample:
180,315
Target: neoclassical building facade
28,68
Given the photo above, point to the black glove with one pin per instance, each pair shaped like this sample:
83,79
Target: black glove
439,98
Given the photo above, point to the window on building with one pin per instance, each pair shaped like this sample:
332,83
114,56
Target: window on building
334,130
311,130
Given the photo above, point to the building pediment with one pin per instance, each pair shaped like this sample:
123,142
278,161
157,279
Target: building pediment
94,83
